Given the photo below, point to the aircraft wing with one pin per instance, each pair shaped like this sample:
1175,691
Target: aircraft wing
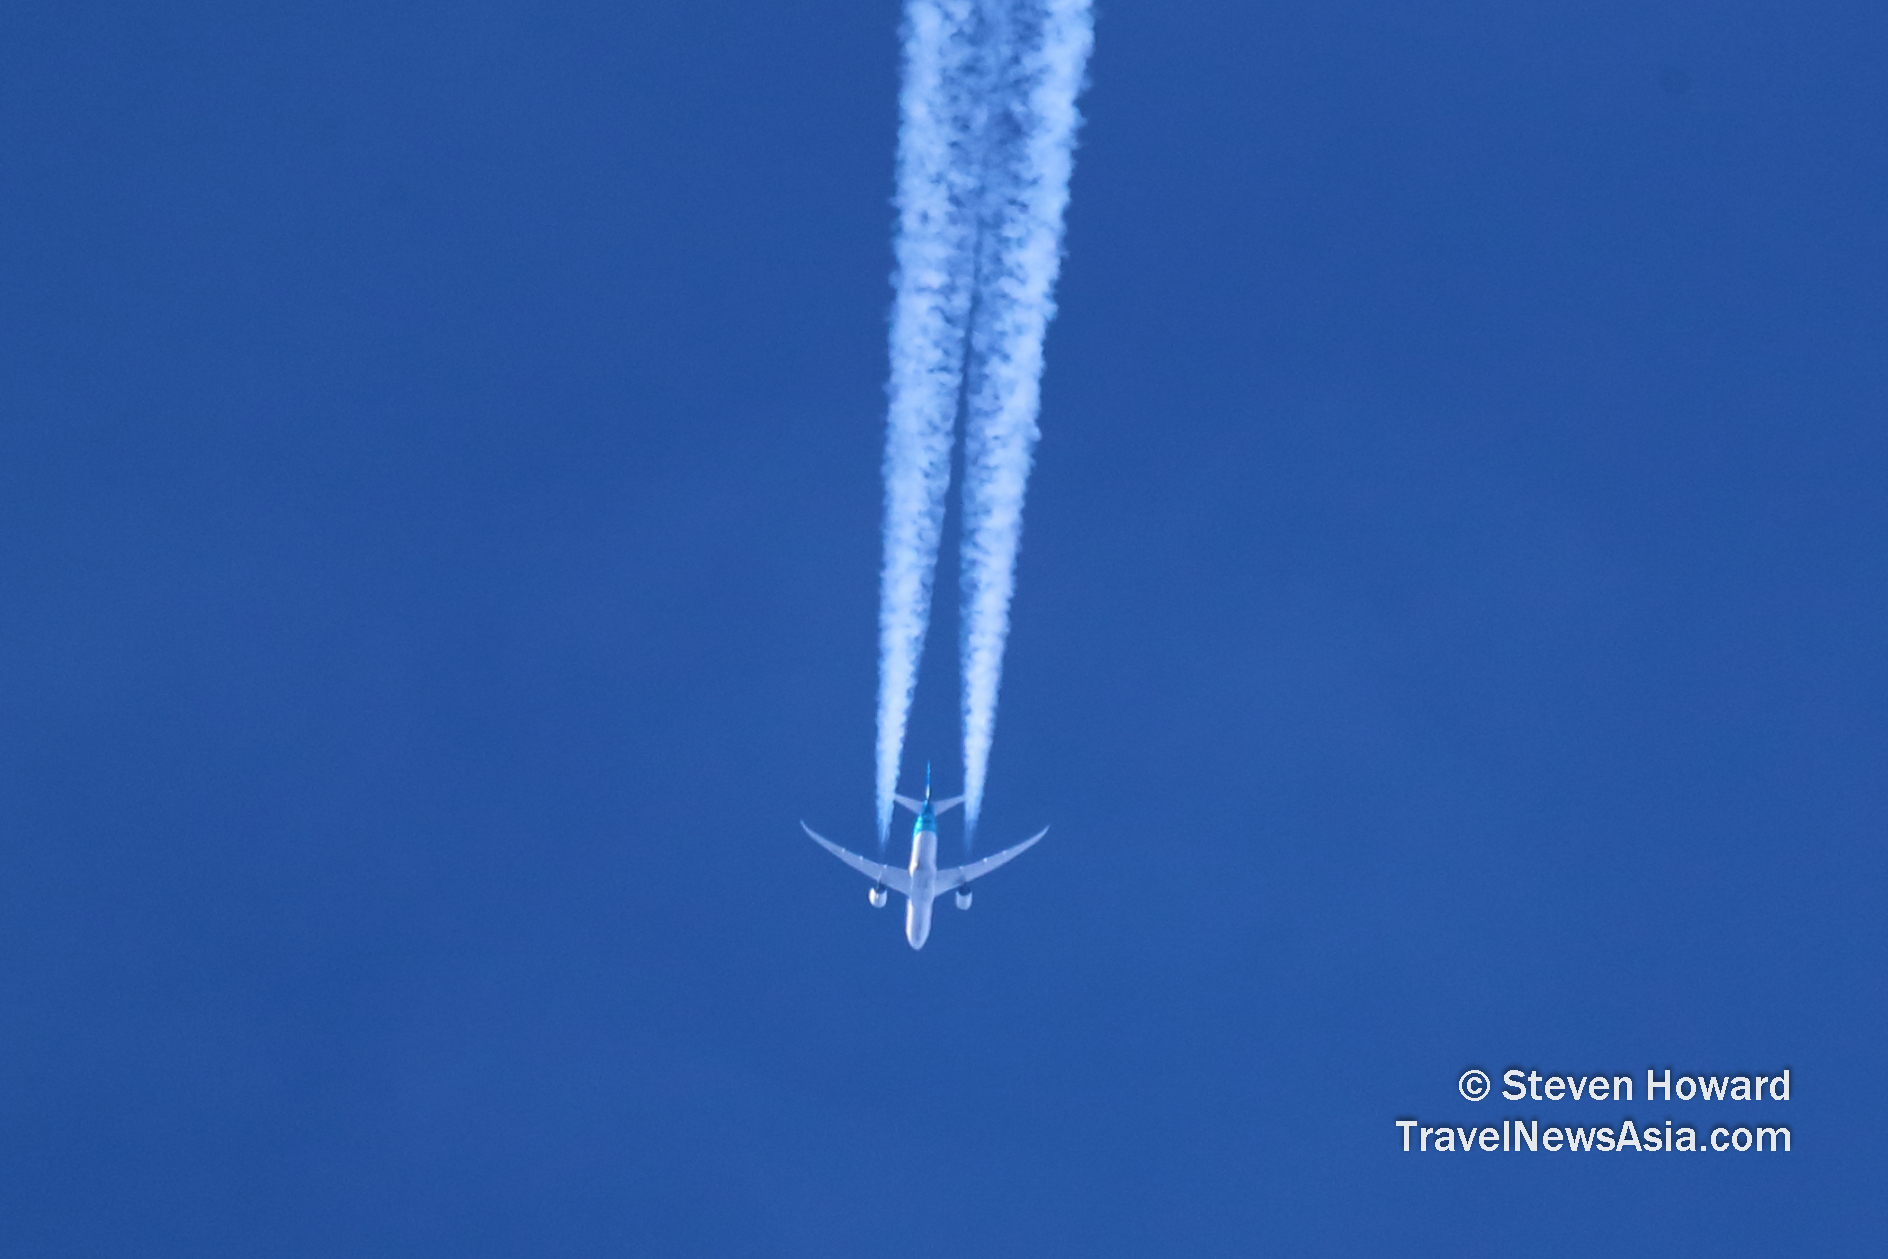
891,876
957,876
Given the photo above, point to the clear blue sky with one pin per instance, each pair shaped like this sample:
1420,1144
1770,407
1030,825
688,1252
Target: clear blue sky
439,513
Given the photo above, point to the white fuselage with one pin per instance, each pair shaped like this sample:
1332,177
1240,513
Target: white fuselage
923,883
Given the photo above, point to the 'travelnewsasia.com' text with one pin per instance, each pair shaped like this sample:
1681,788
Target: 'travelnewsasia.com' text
1517,1136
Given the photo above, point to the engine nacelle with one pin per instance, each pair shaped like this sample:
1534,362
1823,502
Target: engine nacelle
963,898
878,896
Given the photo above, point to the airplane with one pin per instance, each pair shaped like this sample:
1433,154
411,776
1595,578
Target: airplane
921,882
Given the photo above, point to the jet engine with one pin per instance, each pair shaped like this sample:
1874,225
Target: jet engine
963,898
878,896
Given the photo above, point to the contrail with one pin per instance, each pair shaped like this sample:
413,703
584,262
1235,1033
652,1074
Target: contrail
941,126
987,125
1027,170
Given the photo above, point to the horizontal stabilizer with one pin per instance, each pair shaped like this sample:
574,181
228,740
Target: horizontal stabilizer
937,806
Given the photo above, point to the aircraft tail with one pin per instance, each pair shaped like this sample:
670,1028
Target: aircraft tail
937,806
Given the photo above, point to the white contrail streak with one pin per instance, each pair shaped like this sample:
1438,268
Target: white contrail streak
985,145
940,141
1027,166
